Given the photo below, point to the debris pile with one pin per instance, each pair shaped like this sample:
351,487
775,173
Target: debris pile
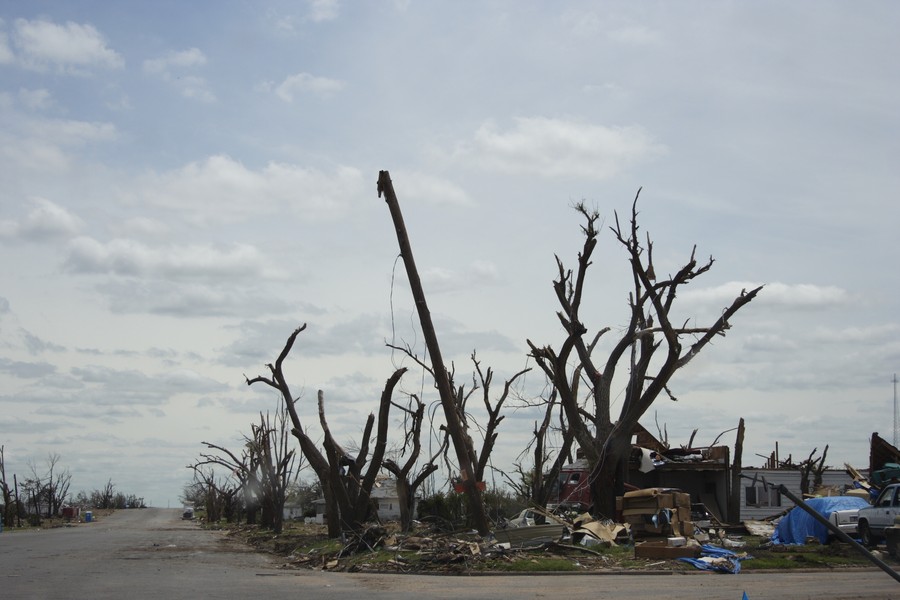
658,512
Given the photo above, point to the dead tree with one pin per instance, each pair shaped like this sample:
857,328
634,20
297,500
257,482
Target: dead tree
264,468
276,464
538,482
10,507
344,485
352,478
734,500
239,467
481,380
412,447
650,346
812,467
489,435
218,495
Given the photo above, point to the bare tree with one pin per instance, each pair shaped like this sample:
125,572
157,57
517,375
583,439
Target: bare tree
241,467
104,498
812,467
481,380
346,484
58,482
268,444
650,346
220,496
48,491
406,487
536,482
489,434
10,506
264,469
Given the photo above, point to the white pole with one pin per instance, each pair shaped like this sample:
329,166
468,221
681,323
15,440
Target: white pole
896,415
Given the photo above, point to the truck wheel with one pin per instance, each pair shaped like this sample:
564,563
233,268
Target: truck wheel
865,535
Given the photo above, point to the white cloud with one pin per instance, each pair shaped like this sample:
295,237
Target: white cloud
635,35
541,146
588,24
799,295
69,132
769,343
192,299
323,10
39,145
71,47
35,99
305,82
434,190
478,274
196,88
146,226
190,86
6,54
238,192
132,259
45,221
887,333
582,23
192,57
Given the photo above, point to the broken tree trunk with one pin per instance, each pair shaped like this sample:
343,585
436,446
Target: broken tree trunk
734,500
462,443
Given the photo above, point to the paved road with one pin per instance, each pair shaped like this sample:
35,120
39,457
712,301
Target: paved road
151,553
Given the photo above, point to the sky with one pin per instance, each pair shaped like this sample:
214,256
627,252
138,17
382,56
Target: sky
184,184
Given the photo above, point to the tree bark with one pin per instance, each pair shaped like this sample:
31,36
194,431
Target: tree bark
649,334
734,501
462,443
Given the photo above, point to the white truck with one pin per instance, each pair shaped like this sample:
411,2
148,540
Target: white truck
873,520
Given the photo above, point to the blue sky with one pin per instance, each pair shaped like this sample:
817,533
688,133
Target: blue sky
185,183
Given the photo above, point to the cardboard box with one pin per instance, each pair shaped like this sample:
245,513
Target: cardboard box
639,529
683,499
639,512
650,502
661,549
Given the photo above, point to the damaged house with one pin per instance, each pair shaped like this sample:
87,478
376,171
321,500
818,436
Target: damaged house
759,500
384,499
702,472
729,492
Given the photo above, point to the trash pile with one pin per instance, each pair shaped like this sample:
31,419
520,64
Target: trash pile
652,524
657,511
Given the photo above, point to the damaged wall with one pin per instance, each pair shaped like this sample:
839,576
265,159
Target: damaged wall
757,503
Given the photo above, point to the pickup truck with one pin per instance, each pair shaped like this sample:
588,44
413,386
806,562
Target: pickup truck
873,520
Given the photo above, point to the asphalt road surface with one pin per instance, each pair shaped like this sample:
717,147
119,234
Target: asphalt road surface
151,553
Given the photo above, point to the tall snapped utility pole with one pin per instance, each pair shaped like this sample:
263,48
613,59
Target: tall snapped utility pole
461,442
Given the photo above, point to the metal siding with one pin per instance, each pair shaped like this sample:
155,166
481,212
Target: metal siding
791,480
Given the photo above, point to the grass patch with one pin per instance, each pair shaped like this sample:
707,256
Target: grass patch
811,556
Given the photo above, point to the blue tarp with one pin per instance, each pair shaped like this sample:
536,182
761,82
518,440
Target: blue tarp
715,558
798,524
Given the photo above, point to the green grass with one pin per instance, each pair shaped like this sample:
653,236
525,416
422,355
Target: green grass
811,556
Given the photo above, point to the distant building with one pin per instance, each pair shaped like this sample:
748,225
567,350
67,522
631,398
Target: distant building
383,496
